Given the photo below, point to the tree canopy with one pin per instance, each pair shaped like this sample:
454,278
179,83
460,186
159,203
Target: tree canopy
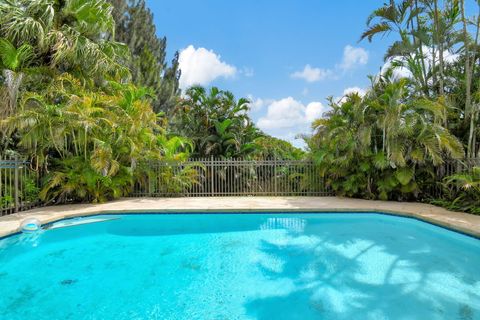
420,112
135,27
87,94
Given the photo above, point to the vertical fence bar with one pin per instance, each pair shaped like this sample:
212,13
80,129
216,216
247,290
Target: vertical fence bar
16,185
1,185
212,173
275,187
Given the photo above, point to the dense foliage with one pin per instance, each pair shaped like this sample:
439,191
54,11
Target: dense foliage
135,27
70,105
87,95
217,123
383,146
463,192
270,148
94,139
420,112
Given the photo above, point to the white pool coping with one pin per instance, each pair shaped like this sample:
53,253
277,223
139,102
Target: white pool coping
462,222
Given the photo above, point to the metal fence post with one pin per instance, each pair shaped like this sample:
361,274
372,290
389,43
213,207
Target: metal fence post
275,176
16,185
211,177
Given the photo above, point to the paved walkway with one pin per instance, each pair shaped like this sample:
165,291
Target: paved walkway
459,221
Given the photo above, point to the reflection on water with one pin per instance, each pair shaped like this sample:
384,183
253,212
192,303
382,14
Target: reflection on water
29,239
265,266
290,224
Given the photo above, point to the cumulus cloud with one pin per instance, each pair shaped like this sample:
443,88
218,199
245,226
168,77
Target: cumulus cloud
313,111
201,66
353,57
256,104
398,72
361,92
310,74
284,113
287,118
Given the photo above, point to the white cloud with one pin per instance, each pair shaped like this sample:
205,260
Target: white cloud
398,72
310,74
353,57
361,92
313,111
256,104
284,113
286,118
201,66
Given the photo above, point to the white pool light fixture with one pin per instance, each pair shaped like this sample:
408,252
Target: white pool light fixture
31,225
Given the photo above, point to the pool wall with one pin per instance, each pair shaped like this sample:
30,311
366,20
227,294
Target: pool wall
456,221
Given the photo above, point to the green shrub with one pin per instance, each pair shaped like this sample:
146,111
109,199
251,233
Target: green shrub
462,192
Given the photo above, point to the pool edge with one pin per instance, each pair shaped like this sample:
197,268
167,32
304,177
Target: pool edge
442,224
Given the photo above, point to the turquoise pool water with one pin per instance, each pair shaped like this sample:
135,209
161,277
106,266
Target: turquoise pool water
251,266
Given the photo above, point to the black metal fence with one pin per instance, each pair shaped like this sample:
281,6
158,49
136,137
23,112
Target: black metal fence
18,186
231,177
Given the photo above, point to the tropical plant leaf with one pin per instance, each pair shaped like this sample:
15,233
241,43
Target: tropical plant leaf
404,175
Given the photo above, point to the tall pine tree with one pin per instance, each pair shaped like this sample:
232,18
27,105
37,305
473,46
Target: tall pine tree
136,28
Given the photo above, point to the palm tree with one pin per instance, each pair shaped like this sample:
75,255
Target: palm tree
13,63
464,190
403,19
68,35
470,46
342,143
444,36
375,145
80,136
404,120
216,122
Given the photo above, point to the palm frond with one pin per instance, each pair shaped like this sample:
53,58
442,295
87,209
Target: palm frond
377,29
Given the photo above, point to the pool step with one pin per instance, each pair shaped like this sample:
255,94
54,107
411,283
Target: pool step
77,222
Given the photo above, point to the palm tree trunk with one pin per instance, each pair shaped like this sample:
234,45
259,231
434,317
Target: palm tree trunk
384,138
74,142
52,136
471,137
439,40
85,143
474,145
476,108
422,56
468,82
13,81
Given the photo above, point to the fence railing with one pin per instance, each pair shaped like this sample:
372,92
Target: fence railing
18,186
231,177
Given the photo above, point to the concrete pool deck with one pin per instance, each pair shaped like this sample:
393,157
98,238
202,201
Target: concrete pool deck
466,223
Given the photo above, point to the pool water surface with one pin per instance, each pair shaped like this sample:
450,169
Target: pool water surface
240,266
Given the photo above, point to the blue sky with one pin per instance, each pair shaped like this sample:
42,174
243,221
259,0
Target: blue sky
288,56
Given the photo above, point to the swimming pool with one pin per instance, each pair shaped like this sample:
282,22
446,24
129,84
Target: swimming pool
240,266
